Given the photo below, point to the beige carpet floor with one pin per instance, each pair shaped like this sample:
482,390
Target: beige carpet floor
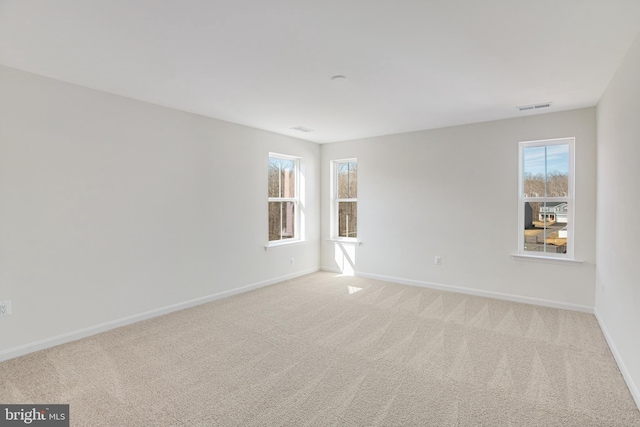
325,350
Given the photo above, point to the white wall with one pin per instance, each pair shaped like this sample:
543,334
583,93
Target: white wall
453,192
618,213
112,207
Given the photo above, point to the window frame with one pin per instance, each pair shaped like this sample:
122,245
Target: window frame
569,199
296,200
335,200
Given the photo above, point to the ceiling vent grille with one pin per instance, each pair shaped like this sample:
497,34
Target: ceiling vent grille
302,129
534,106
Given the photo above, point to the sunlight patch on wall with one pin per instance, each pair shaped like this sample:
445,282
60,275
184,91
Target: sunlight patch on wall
345,257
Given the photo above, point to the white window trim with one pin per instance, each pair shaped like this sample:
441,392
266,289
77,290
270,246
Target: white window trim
296,225
334,203
521,253
281,243
549,259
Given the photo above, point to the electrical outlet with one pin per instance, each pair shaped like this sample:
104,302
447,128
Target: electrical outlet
437,260
5,308
292,261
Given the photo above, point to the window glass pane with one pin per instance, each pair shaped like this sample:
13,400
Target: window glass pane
282,175
274,220
281,220
288,178
347,175
555,217
558,170
353,180
534,227
288,220
274,177
545,227
347,219
534,171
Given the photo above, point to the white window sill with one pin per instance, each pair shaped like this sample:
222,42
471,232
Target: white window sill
281,243
553,260
346,241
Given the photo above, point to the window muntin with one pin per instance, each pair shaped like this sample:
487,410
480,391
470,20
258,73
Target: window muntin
283,197
546,198
345,217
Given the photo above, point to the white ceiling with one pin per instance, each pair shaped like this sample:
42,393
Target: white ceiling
410,64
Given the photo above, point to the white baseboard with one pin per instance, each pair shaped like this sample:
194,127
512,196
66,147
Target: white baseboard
481,293
635,393
92,330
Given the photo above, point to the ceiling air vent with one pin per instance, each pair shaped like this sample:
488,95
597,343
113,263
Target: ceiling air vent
302,129
534,107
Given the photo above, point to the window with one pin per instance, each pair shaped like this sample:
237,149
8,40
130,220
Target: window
545,207
283,197
345,195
